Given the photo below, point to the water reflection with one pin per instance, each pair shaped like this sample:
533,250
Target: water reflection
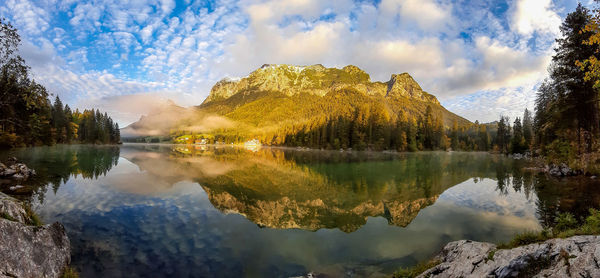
56,165
161,210
310,190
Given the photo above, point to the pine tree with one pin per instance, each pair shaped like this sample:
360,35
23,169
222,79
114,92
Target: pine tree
503,134
567,104
527,128
518,140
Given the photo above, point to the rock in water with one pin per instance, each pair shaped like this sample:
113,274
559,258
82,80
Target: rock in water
576,256
14,170
30,251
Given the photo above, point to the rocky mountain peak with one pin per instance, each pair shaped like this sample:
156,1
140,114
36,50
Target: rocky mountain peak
403,84
317,80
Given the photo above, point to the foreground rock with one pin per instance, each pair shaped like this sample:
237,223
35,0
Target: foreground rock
30,251
577,256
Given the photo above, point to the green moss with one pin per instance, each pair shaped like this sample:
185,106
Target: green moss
70,272
32,218
490,256
415,270
525,238
7,217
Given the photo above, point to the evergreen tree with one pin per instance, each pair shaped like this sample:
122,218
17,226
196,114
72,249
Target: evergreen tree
27,117
518,140
454,135
527,128
503,135
566,104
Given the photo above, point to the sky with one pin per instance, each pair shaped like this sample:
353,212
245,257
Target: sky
482,58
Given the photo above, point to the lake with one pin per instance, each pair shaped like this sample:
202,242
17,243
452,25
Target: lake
141,210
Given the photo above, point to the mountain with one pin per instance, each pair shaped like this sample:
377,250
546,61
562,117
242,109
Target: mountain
284,84
157,122
170,117
317,80
311,106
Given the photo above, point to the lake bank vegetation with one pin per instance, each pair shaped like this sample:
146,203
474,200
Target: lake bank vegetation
29,118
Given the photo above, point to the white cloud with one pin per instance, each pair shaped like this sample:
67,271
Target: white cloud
85,16
487,106
535,16
427,14
29,16
150,48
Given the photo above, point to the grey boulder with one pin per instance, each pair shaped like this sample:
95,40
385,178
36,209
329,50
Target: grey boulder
576,256
30,251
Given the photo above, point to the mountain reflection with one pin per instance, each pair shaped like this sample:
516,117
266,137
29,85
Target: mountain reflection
310,190
282,188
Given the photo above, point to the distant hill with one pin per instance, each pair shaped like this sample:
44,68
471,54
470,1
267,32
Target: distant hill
283,103
157,122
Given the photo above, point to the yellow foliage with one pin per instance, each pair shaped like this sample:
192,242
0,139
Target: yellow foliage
591,66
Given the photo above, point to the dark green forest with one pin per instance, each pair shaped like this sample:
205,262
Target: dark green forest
567,122
29,118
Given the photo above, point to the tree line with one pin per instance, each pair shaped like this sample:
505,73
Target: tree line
567,116
374,126
29,118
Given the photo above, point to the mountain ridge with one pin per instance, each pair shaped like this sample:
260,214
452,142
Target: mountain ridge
311,106
318,80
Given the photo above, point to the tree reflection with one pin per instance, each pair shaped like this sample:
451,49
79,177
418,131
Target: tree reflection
288,188
574,195
56,165
285,188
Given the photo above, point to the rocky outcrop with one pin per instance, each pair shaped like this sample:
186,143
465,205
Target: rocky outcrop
15,170
577,256
318,80
561,170
404,85
30,251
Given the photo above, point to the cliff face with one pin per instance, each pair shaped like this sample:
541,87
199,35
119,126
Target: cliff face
318,80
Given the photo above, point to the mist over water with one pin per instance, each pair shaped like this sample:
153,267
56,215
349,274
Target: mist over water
176,210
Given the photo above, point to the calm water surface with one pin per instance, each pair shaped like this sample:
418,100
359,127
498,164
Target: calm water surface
191,211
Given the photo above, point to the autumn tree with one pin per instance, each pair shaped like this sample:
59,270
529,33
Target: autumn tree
567,104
